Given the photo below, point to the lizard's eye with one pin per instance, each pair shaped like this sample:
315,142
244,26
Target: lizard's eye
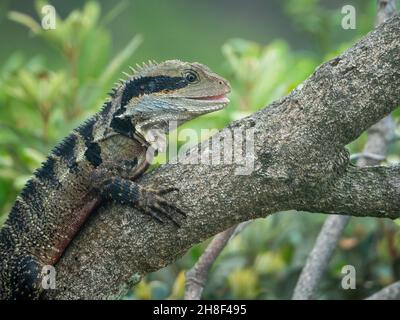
191,76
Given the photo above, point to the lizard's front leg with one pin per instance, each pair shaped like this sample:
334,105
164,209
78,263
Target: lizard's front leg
125,191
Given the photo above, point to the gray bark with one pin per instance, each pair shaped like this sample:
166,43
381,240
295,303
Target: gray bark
299,163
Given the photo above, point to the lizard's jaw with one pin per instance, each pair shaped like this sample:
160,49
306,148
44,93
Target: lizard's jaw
178,110
206,104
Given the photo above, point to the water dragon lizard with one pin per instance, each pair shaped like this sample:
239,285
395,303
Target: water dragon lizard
98,162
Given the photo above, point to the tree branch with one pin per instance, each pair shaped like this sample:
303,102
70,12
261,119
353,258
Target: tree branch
380,136
366,155
296,154
391,292
361,192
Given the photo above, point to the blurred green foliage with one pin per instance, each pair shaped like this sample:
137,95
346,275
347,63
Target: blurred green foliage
40,104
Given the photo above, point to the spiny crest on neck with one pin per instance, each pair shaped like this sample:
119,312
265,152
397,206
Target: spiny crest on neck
137,72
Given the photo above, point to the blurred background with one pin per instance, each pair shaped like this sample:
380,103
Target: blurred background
50,80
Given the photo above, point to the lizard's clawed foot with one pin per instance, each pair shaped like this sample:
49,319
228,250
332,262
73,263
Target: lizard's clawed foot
152,203
149,200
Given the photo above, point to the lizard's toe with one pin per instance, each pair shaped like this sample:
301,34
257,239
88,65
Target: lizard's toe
165,212
166,190
167,204
158,207
155,214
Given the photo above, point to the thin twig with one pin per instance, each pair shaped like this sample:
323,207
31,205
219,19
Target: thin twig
372,156
380,136
319,257
197,276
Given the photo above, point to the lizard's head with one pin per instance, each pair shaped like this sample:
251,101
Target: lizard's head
170,91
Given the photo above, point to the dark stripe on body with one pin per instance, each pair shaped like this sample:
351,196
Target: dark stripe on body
93,154
123,126
65,150
93,150
86,130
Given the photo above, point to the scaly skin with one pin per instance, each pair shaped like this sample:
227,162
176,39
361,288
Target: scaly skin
99,162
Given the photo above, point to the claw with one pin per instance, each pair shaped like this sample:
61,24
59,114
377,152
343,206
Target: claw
180,211
160,209
154,214
175,208
162,191
168,204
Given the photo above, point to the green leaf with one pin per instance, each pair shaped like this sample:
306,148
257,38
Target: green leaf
25,20
114,12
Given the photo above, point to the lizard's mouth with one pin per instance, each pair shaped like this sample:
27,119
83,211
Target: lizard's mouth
222,98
